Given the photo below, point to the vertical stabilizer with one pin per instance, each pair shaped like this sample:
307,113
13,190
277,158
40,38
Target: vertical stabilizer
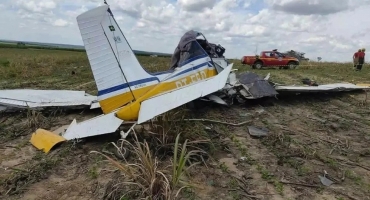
117,72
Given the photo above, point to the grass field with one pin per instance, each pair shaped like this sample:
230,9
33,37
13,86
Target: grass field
308,134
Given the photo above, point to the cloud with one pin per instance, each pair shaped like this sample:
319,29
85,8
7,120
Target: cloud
330,29
36,6
310,7
196,5
60,22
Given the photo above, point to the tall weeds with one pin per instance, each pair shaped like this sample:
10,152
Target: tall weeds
145,178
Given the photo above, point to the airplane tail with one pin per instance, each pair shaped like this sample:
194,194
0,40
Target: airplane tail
118,74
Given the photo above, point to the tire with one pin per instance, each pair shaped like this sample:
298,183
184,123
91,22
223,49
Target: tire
292,65
123,153
258,65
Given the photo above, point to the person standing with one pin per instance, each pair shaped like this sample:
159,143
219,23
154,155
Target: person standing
361,59
355,58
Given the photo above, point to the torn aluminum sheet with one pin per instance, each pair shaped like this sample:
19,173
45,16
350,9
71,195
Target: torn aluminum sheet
256,132
335,87
255,86
16,99
325,181
216,99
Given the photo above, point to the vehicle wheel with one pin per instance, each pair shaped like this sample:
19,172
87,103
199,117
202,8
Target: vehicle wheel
291,65
258,65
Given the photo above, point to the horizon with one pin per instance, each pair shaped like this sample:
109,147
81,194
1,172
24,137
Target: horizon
82,47
320,29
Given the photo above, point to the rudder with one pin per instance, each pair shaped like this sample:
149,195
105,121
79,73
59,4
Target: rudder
118,74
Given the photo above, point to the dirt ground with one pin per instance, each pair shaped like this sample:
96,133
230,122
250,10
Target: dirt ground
308,137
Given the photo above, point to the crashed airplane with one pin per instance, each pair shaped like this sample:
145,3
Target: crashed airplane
127,92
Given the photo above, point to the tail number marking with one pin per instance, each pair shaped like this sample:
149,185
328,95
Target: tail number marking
191,79
139,85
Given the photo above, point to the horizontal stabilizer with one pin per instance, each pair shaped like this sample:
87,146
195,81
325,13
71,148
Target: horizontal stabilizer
99,125
168,101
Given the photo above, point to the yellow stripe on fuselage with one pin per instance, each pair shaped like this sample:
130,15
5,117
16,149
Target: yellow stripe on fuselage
131,111
114,102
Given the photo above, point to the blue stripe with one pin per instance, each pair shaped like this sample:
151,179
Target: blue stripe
146,80
190,69
126,85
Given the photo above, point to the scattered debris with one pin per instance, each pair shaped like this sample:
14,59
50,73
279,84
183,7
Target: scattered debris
309,82
325,181
216,99
256,132
255,86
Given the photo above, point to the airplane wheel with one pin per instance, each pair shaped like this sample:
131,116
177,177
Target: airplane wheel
122,153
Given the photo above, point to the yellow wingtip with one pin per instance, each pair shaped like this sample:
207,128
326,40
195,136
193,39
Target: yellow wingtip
45,140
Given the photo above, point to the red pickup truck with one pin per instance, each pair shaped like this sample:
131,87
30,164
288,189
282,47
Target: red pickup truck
270,59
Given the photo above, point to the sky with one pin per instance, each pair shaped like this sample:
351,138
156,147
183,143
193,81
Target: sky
331,29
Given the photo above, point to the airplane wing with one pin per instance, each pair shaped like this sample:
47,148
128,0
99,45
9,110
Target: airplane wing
168,101
24,98
335,87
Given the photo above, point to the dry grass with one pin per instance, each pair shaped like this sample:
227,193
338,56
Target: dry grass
148,177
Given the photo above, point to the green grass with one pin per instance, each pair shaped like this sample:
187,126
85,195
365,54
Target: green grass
43,68
322,72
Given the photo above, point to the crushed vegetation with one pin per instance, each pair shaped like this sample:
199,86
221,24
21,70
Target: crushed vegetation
308,137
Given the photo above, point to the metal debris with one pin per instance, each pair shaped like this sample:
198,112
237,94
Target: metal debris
216,99
256,86
254,131
325,181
